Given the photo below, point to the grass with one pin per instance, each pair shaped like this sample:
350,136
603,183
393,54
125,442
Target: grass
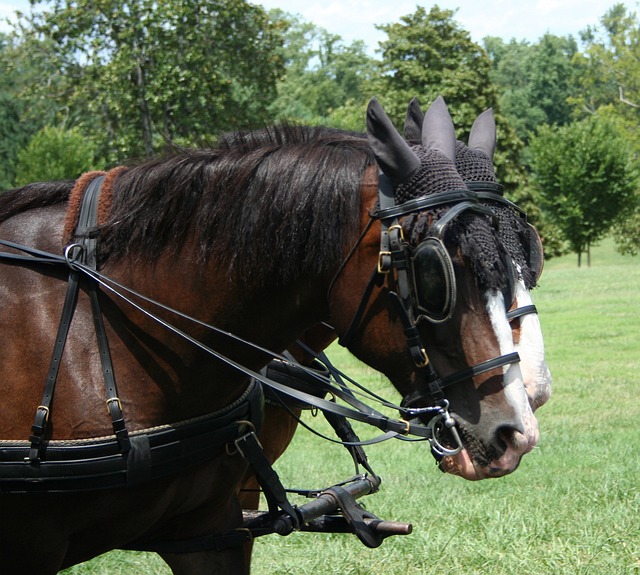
573,506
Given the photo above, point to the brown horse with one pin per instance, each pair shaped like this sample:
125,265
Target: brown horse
475,166
262,243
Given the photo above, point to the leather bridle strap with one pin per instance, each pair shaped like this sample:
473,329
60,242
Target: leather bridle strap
428,391
87,222
83,251
41,420
520,311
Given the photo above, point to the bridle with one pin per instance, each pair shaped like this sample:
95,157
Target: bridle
395,263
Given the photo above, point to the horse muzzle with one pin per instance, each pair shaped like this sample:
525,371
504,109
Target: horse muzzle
472,463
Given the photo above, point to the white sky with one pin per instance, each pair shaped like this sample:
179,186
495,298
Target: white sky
356,19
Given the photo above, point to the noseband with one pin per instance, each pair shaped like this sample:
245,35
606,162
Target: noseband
396,255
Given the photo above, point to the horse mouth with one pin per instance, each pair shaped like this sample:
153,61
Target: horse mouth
475,461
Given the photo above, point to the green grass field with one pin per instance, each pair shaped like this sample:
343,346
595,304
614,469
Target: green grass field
573,506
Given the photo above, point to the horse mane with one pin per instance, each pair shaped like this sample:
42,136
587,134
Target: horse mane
33,196
268,203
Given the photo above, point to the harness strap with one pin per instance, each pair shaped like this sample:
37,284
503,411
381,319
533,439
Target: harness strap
276,495
374,280
520,311
418,395
87,222
39,427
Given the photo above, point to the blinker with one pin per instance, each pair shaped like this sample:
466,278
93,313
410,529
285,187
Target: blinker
434,285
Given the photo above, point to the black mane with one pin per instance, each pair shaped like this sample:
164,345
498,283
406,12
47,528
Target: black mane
268,204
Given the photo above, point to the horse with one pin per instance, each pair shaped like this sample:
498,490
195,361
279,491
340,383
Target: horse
474,163
184,260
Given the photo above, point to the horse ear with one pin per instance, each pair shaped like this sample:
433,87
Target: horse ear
413,121
438,132
483,133
395,157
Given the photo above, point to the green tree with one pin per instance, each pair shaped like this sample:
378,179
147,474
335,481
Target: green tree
10,112
626,231
536,81
584,176
55,154
324,77
136,73
428,54
20,116
609,71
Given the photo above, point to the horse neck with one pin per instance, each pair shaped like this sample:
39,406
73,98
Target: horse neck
269,315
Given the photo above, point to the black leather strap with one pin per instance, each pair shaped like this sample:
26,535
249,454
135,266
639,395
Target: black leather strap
520,311
426,202
86,239
43,411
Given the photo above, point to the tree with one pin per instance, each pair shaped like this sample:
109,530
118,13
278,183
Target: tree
136,73
536,81
609,71
626,231
428,54
55,154
17,124
584,177
324,78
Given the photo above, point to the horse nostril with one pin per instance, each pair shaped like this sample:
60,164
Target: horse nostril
509,436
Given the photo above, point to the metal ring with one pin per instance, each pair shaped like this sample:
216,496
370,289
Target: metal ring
69,256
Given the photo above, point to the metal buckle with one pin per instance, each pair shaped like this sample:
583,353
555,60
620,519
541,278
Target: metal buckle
46,411
384,268
397,227
112,400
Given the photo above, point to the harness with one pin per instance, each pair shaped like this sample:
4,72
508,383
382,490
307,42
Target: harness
124,459
131,458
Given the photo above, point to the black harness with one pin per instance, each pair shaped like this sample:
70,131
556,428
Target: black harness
129,458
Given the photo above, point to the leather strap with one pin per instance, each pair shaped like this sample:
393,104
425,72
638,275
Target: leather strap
85,235
520,311
43,411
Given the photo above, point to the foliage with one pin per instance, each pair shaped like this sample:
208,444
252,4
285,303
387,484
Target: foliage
428,54
16,126
626,231
585,178
55,154
609,72
136,73
324,77
536,81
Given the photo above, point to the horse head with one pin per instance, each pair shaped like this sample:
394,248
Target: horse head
434,318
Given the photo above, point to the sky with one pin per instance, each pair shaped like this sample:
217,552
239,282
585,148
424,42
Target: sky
356,19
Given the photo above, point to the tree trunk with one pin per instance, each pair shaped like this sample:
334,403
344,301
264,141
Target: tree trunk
147,137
